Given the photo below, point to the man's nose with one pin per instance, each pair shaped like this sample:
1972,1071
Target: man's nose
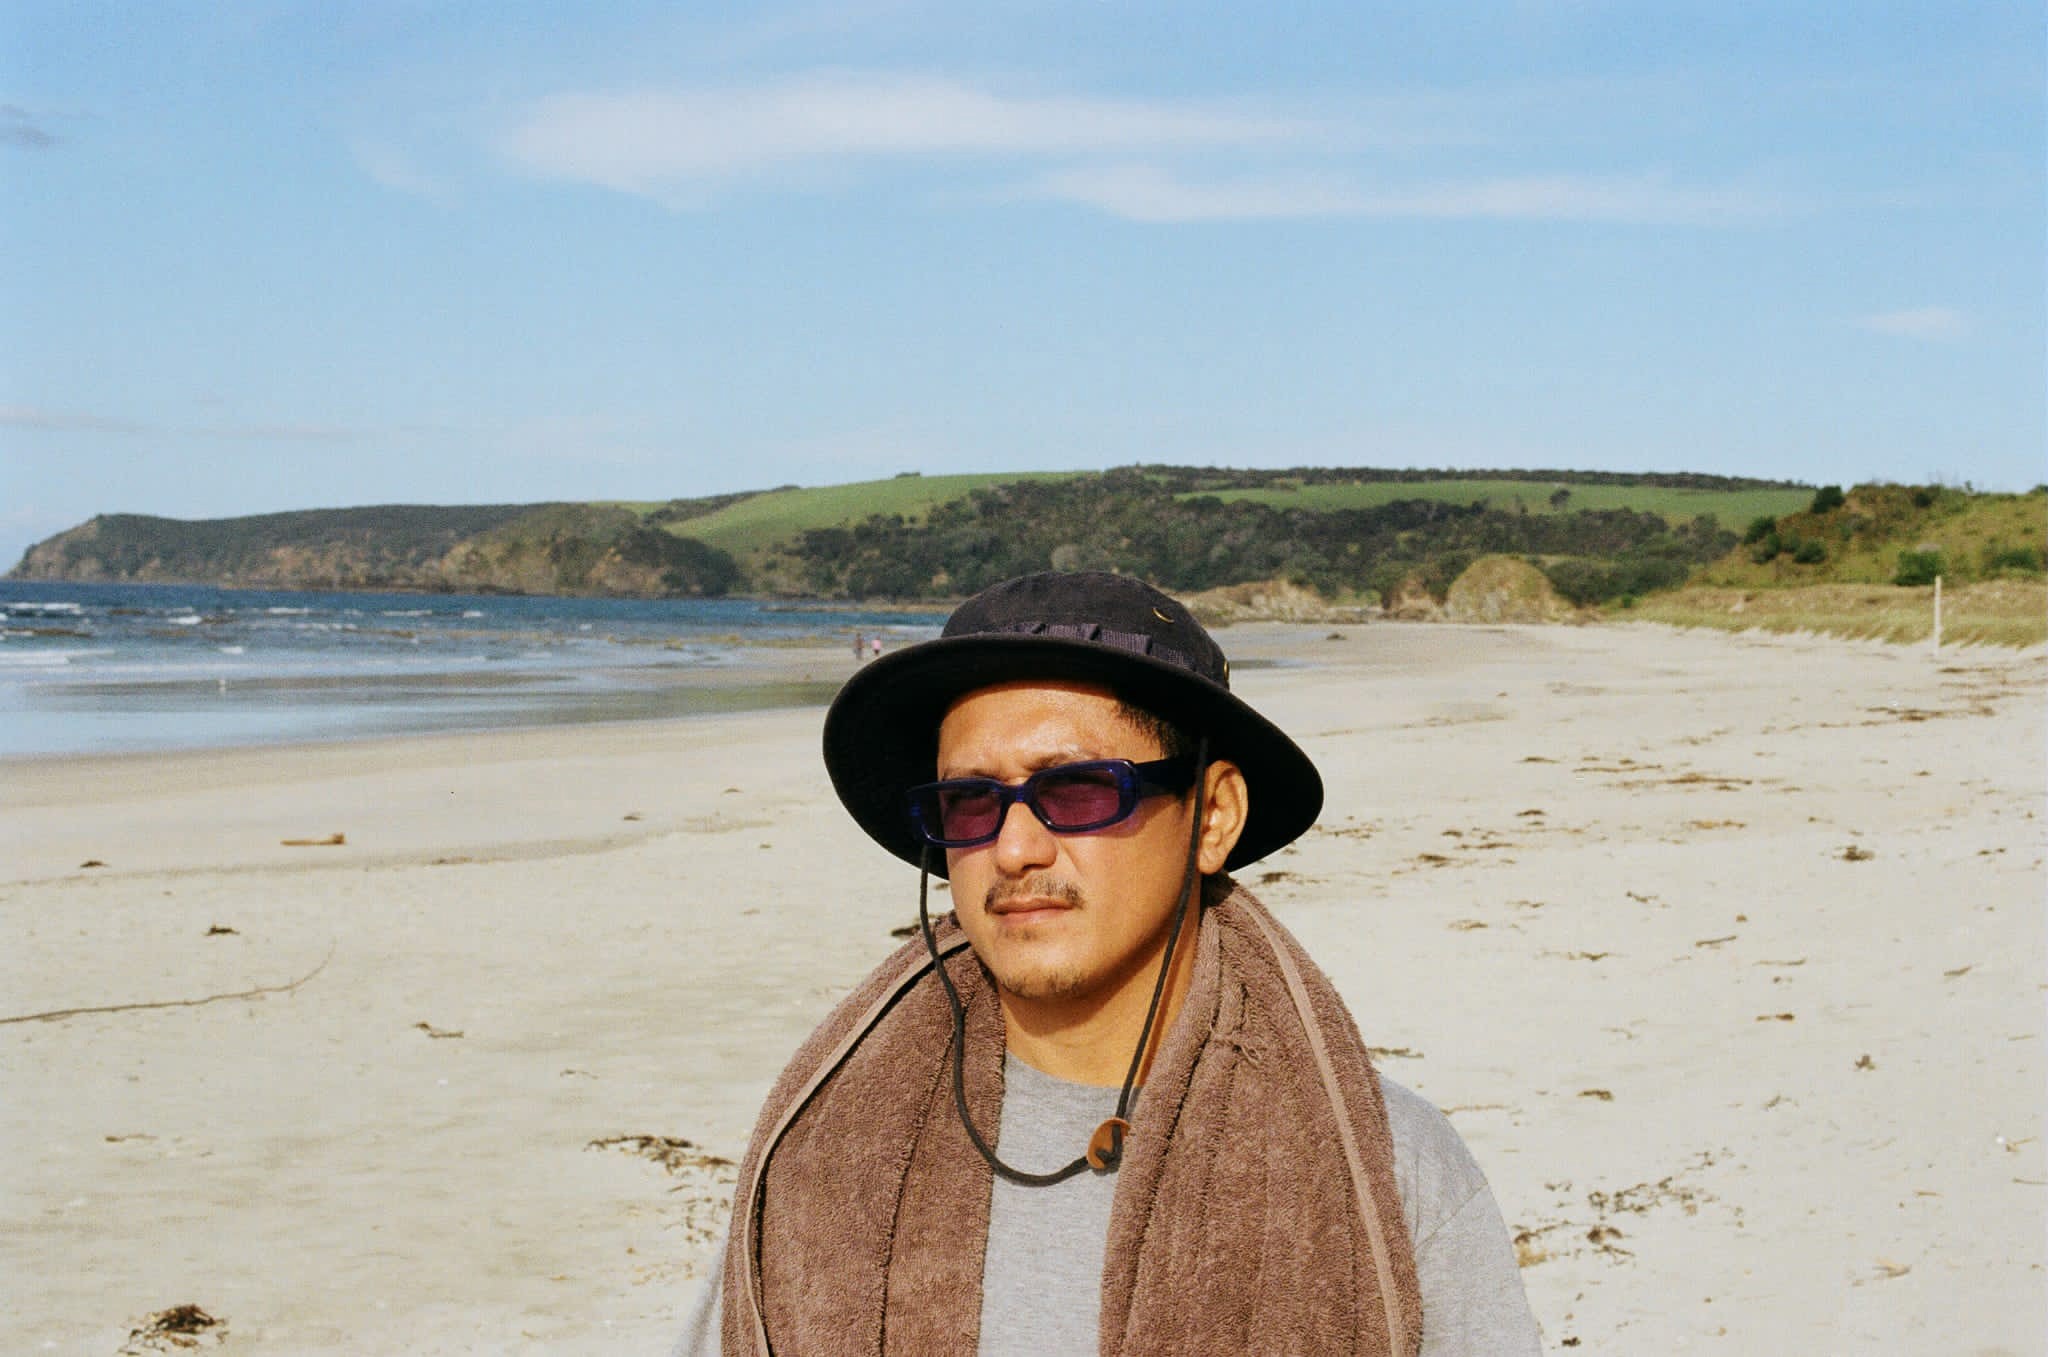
1023,843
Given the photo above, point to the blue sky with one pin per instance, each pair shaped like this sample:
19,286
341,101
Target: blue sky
269,256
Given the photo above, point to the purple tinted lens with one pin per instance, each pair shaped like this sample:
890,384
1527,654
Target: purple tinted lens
968,814
1072,800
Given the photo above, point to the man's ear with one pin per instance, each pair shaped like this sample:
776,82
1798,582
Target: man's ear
1226,801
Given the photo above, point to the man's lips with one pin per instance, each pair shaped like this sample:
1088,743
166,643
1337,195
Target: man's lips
1024,908
1017,903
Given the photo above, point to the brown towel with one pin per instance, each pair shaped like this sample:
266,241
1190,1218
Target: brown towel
1249,1215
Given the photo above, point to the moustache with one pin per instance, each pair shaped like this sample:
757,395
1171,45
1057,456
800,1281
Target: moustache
1036,888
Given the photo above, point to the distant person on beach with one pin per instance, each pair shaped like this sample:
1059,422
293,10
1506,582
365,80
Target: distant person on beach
1107,1104
875,646
860,646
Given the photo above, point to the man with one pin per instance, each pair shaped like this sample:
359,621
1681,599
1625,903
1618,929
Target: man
1108,1105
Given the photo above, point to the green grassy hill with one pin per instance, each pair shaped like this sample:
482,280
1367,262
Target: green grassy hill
753,524
1676,505
1355,531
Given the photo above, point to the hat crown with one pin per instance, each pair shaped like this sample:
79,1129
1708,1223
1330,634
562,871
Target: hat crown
1094,608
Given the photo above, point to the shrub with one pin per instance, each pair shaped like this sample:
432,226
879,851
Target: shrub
1758,530
687,565
1918,568
1827,499
1809,552
1999,559
1767,548
1582,583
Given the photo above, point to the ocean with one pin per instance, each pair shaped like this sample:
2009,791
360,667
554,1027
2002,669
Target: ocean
106,668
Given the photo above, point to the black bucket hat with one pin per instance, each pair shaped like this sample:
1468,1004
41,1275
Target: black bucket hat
882,732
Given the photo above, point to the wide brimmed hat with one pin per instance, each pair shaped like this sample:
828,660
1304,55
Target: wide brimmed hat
882,732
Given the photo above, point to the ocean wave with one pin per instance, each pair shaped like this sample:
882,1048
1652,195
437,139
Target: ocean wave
38,608
134,657
44,659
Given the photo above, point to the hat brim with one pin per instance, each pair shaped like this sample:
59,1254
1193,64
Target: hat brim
881,733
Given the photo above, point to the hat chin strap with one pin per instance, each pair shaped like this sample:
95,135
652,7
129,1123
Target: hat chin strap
1106,1147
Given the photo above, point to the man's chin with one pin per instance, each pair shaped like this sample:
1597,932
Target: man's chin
1043,986
1039,977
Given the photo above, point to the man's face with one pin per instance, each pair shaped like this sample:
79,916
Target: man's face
1062,918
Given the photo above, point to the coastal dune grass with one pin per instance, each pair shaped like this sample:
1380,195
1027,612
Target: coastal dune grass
1862,543
1503,589
2004,612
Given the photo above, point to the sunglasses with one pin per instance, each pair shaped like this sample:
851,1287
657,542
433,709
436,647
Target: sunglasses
1072,798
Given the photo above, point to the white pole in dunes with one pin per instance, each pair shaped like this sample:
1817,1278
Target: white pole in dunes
1937,612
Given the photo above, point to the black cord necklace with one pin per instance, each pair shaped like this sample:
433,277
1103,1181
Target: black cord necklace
1106,1146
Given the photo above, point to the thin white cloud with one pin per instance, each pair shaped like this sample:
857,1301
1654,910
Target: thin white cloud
23,129
394,170
58,421
647,142
1151,193
283,433
36,419
1939,324
1146,160
1640,199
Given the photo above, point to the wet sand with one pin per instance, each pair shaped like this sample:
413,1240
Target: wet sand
1726,955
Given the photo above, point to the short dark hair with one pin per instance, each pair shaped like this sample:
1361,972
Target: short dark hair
1174,743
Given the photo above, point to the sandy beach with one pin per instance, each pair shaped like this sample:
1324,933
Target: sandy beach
1725,953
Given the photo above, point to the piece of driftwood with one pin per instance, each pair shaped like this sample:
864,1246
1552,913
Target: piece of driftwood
56,1013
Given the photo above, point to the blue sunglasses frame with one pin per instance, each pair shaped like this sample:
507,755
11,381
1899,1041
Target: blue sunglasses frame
1134,782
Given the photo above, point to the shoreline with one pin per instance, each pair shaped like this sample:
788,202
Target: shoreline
768,602
758,675
355,708
1590,890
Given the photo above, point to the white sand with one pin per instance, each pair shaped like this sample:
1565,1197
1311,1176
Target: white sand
1555,864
